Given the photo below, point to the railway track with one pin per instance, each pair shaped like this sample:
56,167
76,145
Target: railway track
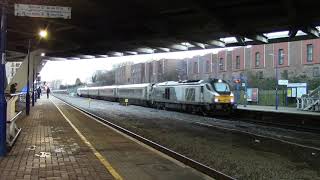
257,117
188,161
258,136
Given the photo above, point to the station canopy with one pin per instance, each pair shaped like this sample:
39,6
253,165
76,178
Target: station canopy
101,28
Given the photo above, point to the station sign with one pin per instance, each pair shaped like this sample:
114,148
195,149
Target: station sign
31,10
283,82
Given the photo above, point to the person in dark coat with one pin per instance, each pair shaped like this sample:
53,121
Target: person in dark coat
48,92
39,92
13,88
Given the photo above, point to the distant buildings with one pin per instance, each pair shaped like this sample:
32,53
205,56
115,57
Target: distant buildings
123,74
55,84
151,72
292,59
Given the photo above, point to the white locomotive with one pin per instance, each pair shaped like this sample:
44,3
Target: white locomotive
199,95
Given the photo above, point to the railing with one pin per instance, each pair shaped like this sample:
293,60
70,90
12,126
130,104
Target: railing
314,94
310,102
15,105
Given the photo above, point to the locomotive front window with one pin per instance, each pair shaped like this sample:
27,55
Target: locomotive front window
221,87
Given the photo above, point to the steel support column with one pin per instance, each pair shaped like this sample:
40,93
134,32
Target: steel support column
28,84
3,102
33,95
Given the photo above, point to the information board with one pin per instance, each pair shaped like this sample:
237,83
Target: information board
296,90
253,94
30,10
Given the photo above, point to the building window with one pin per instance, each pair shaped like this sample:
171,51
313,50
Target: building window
316,72
257,59
309,52
237,62
221,64
260,75
280,57
207,66
285,74
195,67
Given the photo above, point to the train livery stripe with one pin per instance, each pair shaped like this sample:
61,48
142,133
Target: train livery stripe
102,159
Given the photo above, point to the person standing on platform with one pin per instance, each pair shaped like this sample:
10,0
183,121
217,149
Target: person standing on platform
48,92
13,88
39,92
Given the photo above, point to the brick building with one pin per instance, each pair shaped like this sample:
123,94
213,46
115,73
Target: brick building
123,74
138,73
299,58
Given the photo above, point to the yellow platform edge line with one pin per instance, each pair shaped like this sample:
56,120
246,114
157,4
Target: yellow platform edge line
103,160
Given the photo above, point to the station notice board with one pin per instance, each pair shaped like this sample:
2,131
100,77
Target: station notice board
296,90
253,94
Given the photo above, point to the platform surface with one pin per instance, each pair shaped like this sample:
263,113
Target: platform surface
49,147
281,109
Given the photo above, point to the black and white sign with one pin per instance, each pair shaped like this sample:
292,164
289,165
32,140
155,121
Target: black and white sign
31,10
283,82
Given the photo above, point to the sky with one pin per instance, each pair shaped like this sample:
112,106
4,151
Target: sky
69,70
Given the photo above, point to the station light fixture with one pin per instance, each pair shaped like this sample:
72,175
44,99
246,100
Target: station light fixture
43,33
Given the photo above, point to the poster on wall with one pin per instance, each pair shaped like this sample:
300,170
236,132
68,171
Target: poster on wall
301,91
294,92
252,94
249,94
289,92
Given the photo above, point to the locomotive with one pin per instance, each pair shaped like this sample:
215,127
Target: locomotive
192,95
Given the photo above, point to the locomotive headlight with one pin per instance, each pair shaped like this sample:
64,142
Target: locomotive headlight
231,94
216,100
232,100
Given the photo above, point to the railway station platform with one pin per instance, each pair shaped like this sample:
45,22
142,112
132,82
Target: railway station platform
287,117
281,109
60,142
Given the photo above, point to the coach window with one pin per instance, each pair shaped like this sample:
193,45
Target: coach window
309,52
167,93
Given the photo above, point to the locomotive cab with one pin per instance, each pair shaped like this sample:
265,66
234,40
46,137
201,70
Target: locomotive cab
221,95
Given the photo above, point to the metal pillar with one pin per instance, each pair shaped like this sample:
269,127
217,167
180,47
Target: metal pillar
245,93
33,95
3,102
237,100
277,97
28,84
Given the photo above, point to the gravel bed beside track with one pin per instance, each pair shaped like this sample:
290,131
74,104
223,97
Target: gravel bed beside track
237,154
